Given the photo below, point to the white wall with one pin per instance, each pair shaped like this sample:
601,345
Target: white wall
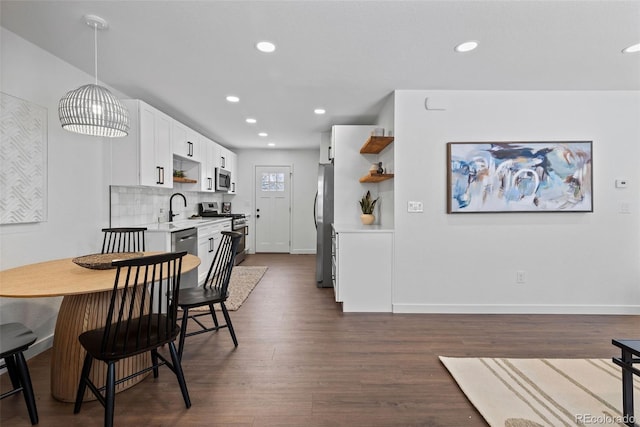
304,164
574,262
77,194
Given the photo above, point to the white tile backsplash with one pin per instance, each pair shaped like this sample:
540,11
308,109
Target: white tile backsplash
131,206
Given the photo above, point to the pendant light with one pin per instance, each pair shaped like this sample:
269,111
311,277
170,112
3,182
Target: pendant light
92,109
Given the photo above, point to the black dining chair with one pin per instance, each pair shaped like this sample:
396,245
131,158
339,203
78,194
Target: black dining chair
142,317
123,239
15,338
215,290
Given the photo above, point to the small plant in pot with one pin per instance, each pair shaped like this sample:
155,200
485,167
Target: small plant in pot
367,205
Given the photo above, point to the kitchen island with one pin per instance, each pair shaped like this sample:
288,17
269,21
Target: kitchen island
362,267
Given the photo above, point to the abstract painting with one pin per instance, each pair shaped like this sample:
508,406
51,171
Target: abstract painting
23,161
519,177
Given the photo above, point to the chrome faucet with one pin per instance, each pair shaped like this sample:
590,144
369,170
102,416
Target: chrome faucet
171,214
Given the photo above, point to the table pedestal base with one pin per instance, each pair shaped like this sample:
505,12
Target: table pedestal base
80,313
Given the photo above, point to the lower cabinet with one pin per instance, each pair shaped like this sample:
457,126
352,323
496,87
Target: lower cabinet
208,241
363,269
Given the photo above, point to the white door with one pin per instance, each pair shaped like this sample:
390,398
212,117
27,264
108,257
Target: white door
273,208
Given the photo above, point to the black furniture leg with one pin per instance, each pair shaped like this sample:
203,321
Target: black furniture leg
183,331
227,318
27,389
177,366
110,397
627,389
213,316
630,355
82,387
13,370
154,362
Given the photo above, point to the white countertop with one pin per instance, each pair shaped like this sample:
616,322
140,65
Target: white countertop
182,224
360,228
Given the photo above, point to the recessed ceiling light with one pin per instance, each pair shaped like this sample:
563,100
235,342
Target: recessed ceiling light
263,134
250,120
271,144
265,46
466,46
233,98
319,111
634,48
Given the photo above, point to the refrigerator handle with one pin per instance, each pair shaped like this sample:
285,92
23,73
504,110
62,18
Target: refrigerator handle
315,210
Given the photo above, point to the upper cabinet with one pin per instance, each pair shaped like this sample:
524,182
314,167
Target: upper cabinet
144,157
210,155
227,160
233,168
326,142
186,142
157,145
223,158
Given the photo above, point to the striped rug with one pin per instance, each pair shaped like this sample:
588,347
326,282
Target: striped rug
243,280
543,392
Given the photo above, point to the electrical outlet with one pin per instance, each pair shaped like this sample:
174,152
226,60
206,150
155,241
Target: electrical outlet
413,206
520,277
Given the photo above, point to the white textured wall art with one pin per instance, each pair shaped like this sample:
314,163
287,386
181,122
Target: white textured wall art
23,161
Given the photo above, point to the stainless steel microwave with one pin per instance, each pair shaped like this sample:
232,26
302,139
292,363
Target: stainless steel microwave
223,180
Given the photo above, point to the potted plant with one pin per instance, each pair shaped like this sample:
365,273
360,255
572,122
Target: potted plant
367,205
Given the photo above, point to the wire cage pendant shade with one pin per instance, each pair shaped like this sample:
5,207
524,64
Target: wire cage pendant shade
93,110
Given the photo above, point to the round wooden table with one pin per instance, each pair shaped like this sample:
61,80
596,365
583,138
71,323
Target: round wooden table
84,307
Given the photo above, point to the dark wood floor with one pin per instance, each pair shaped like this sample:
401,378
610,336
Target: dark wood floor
301,362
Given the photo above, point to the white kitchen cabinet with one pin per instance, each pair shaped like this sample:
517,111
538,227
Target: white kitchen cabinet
223,158
233,168
326,154
207,165
228,161
144,157
208,241
363,268
186,142
209,237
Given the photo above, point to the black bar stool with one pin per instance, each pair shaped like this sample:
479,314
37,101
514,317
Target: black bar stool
14,339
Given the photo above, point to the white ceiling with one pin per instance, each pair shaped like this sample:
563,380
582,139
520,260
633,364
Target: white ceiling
184,57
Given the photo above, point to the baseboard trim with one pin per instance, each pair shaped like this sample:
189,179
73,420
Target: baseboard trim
303,252
516,309
39,347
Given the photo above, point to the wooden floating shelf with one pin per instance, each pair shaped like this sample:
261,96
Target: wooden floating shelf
184,180
376,177
375,144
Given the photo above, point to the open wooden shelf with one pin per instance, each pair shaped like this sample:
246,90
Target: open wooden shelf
376,177
375,144
184,180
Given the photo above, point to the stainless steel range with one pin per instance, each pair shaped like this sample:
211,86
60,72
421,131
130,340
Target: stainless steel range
239,223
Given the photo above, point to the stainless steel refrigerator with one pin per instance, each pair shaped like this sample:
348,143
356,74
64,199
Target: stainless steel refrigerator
323,217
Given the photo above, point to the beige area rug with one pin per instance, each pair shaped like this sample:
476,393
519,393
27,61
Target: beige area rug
243,280
543,392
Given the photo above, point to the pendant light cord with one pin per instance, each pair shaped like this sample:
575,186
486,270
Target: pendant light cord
95,50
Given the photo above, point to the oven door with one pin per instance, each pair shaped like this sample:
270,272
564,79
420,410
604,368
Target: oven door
241,251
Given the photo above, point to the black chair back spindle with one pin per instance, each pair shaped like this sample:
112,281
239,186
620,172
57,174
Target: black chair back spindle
123,239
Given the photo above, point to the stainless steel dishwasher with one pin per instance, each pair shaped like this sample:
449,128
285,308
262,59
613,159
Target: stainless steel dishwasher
186,240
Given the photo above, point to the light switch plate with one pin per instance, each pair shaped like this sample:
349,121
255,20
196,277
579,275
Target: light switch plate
414,206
